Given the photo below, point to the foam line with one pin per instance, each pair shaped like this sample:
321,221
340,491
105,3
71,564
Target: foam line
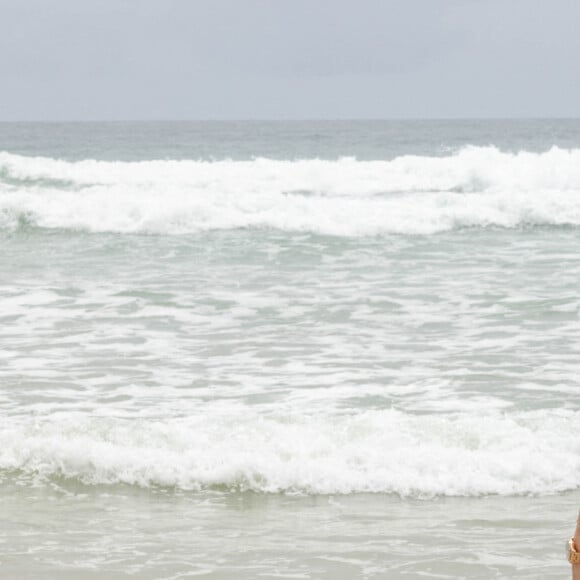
476,187
374,451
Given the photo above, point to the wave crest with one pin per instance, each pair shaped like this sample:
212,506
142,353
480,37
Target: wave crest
378,452
477,186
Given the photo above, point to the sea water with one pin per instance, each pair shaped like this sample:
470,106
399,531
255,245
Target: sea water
329,350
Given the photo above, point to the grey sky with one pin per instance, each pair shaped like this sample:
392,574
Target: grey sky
284,59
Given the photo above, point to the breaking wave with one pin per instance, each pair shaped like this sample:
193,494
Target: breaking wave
374,451
475,187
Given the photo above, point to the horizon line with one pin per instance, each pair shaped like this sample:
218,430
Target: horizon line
292,120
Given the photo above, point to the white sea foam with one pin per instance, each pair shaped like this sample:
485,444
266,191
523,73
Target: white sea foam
374,451
477,186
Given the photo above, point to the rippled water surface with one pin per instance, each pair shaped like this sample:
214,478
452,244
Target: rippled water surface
355,356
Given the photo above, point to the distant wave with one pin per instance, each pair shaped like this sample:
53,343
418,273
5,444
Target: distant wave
475,187
374,451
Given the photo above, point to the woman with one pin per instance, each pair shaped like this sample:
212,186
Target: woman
574,552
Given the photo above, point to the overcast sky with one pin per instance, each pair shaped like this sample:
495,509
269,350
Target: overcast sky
288,59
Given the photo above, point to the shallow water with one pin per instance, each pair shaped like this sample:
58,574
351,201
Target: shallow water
66,531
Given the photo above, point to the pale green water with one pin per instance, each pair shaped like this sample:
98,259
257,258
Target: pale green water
227,367
99,532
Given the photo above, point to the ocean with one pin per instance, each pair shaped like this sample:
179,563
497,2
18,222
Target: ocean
308,350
